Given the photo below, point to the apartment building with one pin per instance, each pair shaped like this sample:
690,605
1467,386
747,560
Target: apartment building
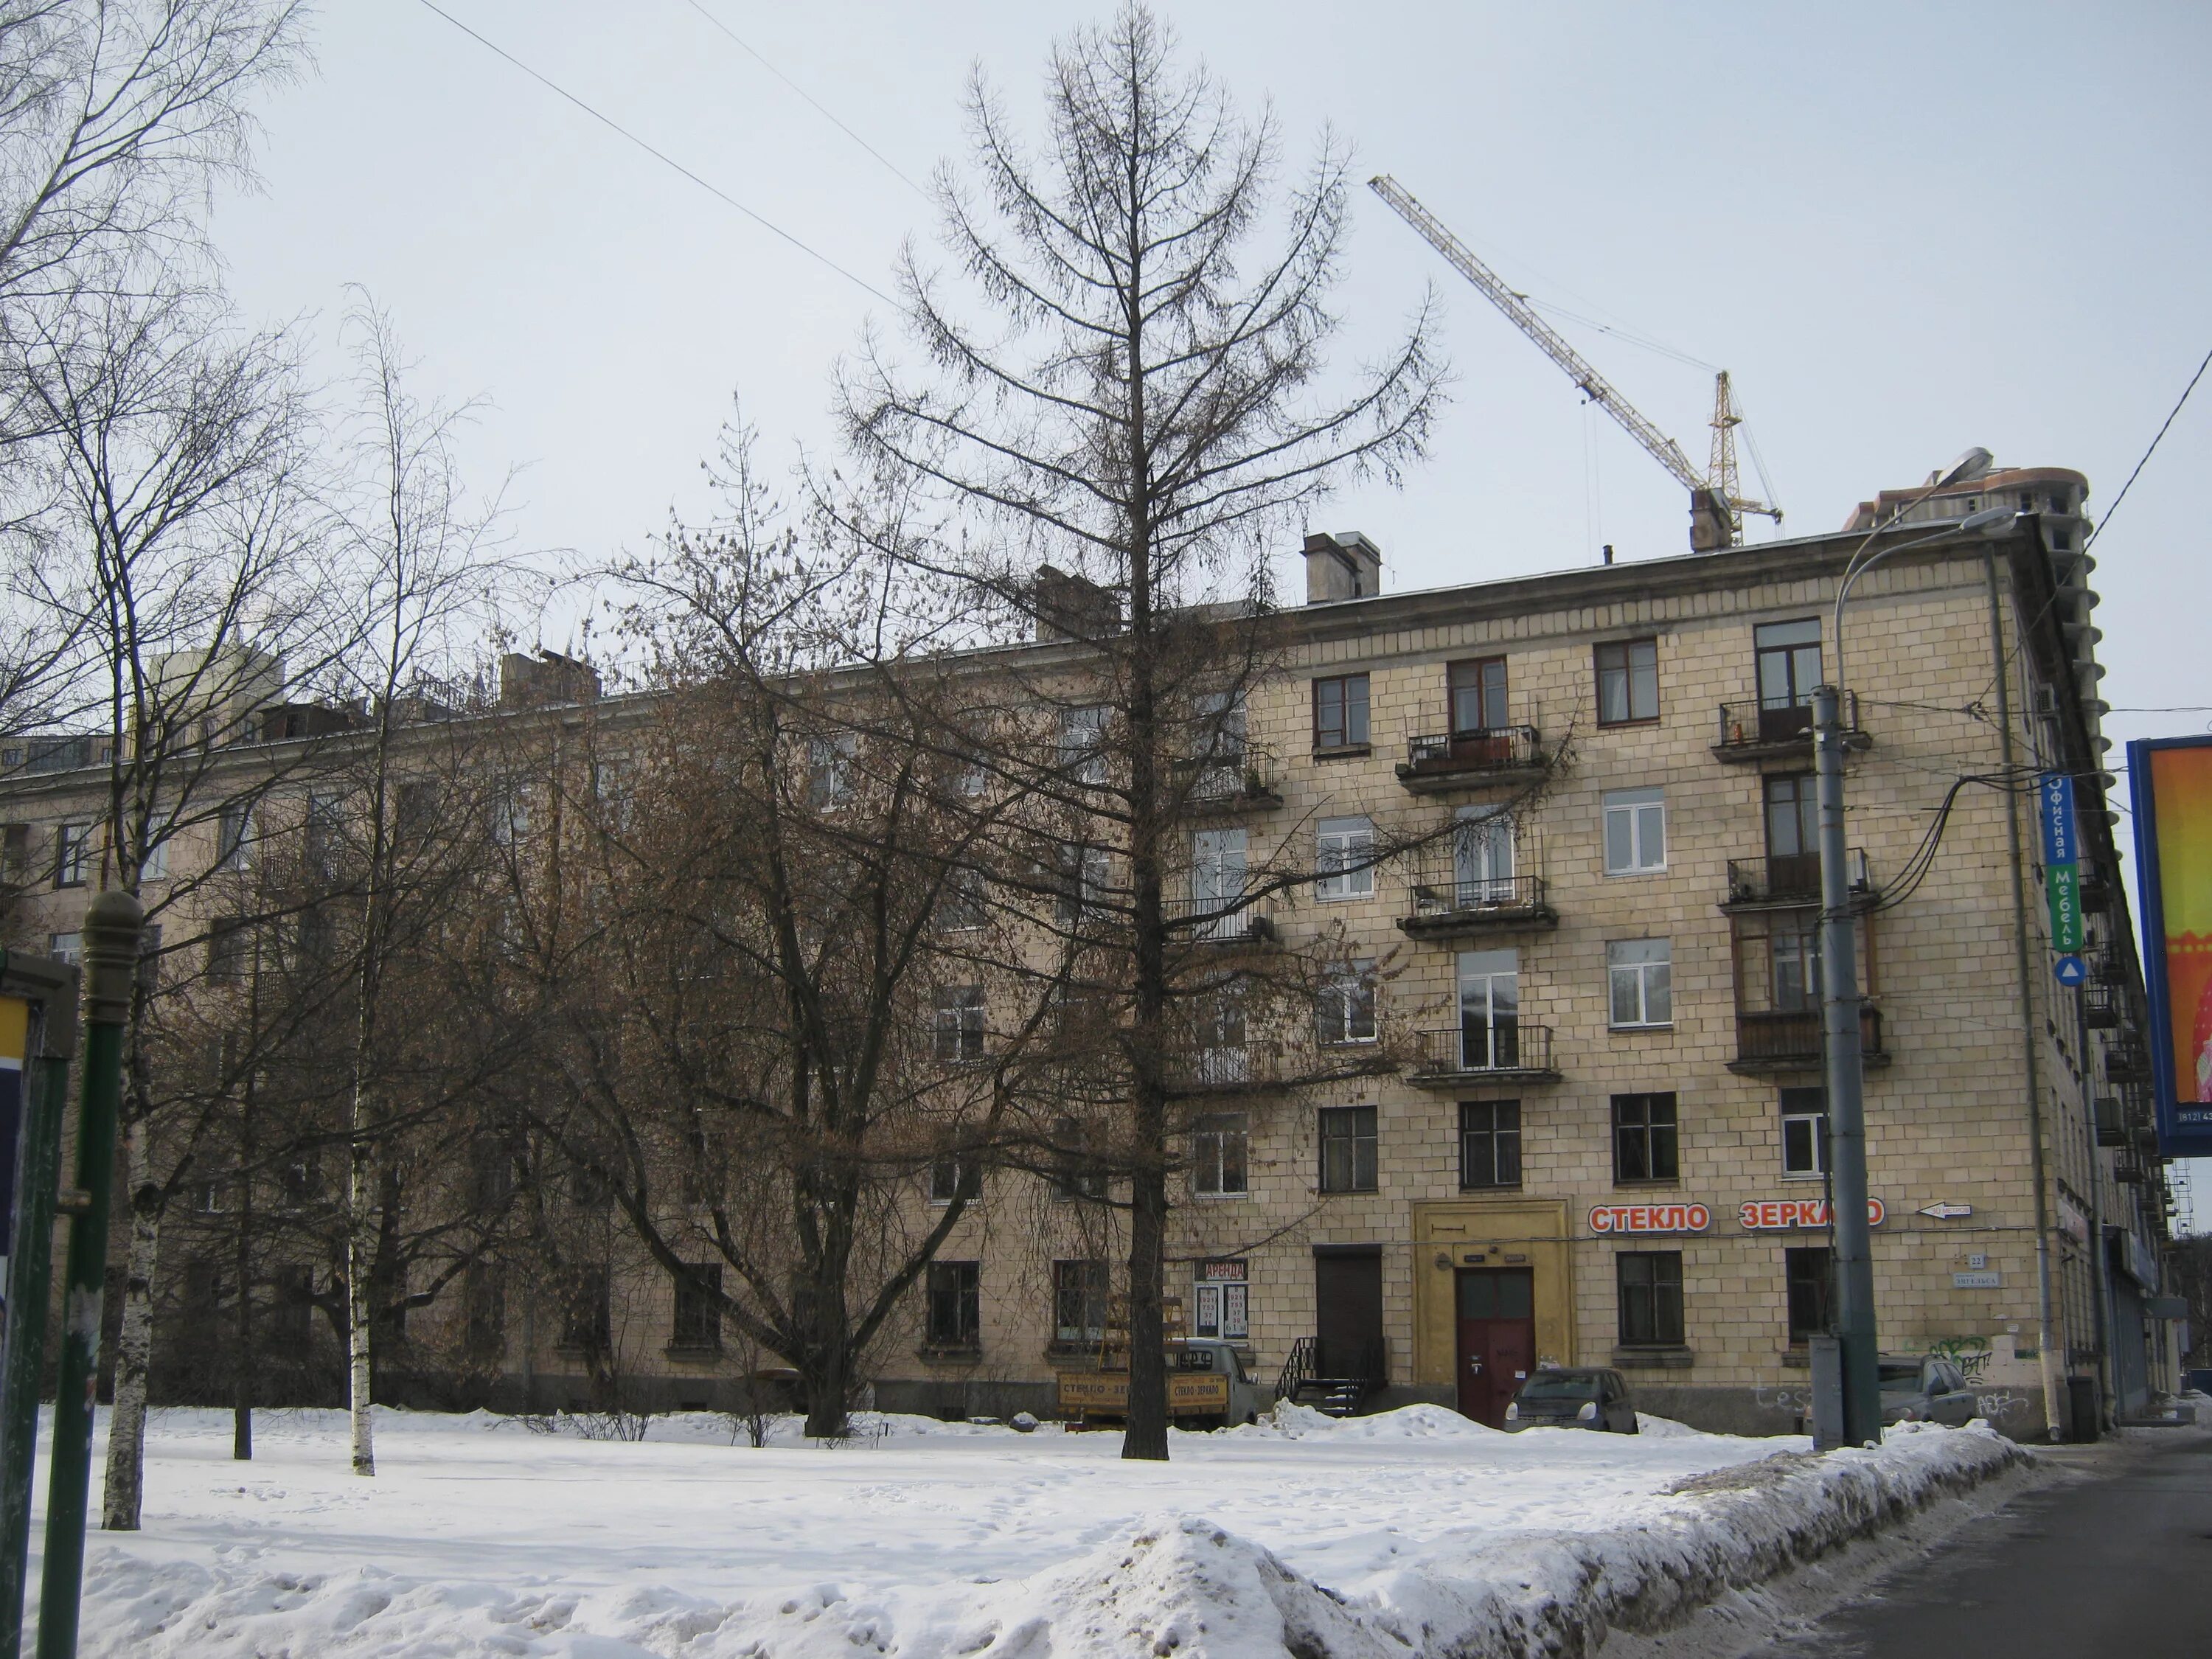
1600,1137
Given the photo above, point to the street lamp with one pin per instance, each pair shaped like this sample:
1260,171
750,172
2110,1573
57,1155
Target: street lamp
1858,1374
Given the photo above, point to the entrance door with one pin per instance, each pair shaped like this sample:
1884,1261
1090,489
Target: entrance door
1497,1339
1348,1316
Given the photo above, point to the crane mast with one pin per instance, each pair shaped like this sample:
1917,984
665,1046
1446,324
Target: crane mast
1717,505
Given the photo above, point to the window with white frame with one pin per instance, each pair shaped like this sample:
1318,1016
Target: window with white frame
1216,881
963,905
830,767
1342,848
1218,1144
1082,742
1635,832
960,1022
72,854
1804,1133
1346,1001
1640,973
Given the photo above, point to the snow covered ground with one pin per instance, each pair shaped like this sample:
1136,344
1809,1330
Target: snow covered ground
917,1539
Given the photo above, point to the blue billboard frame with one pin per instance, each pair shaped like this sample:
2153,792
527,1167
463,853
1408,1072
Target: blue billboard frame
2174,1139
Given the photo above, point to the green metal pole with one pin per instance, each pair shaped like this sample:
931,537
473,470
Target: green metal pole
30,1274
112,924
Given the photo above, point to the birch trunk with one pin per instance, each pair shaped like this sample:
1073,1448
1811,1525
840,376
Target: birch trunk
124,1488
361,1256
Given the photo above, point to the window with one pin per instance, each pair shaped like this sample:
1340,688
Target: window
66,947
226,942
955,1304
1342,849
72,852
1347,1149
1489,1143
1216,881
1222,1302
322,831
1804,1133
1478,695
1078,1301
1339,712
698,1320
300,1181
1081,881
960,1022
1794,953
15,851
1489,1010
1650,1287
1635,832
1482,858
484,1291
155,865
1218,1142
1627,682
588,1315
1810,1286
1346,1002
292,1312
829,769
234,838
1220,741
1079,1175
1083,744
952,1176
491,1171
1789,662
1639,975
1645,1144
962,906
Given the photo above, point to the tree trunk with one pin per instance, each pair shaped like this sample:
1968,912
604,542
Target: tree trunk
241,1361
1146,1434
361,1256
124,1492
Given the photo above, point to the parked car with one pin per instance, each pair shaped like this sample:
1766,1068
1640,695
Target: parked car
2198,1381
1574,1397
1925,1389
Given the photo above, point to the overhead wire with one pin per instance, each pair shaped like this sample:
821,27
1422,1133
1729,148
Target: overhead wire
662,156
819,108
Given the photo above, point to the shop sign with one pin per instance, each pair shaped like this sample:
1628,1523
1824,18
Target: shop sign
1649,1219
2062,854
1781,1214
1224,1301
2071,1221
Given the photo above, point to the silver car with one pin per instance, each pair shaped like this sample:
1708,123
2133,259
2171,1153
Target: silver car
1925,1389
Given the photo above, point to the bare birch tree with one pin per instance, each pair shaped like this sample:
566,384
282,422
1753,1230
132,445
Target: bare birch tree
1130,383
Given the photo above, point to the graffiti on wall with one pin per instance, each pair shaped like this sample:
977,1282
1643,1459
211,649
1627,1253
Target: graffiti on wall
1970,1354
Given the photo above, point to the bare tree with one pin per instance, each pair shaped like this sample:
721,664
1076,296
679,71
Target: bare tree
1140,401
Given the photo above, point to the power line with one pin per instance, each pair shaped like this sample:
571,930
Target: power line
608,121
819,108
2148,454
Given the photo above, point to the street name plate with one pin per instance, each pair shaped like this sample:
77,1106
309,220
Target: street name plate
1990,1280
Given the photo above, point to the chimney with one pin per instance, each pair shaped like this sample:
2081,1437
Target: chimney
551,678
1344,566
1066,607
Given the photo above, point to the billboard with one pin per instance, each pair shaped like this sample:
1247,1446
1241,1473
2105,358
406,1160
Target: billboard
2171,783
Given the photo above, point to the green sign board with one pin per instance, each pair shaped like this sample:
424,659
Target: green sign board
2064,881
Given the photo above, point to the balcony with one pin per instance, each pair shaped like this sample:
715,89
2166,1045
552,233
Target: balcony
1756,731
2125,1061
1448,903
1792,880
1514,1052
1229,788
2102,1001
2112,1130
1440,762
2096,891
1217,921
1224,1068
1770,1039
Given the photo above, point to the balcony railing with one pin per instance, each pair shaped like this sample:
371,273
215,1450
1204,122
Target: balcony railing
2103,1003
2127,1063
1230,784
1451,760
1216,922
1790,1040
1791,879
1226,1065
1504,1048
1750,730
1449,900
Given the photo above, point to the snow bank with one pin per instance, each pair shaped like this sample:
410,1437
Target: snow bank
1165,1584
1291,1421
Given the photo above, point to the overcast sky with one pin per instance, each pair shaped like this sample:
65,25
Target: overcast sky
1904,228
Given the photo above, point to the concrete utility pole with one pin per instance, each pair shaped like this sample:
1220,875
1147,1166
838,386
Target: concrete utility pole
1839,1026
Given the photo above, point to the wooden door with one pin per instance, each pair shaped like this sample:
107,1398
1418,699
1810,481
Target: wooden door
1497,1339
1348,1314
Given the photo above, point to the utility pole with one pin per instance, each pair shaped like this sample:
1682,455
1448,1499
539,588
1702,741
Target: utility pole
112,924
1839,1021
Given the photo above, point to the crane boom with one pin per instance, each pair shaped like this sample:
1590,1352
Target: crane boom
1718,490
1663,449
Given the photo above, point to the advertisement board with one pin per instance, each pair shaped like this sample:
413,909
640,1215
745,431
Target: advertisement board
2172,784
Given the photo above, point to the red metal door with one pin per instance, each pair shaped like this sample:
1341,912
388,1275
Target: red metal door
1497,1339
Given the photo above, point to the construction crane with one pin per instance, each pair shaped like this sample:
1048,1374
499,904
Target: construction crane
1716,504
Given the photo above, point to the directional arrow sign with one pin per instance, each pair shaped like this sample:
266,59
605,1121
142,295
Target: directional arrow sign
1947,1212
